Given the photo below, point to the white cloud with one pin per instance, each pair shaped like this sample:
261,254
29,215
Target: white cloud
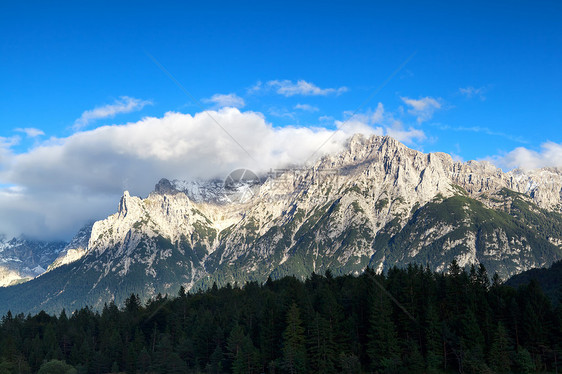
31,132
550,155
302,87
52,189
125,104
326,119
471,92
378,115
281,112
408,136
6,143
422,108
230,100
380,122
5,151
255,88
307,107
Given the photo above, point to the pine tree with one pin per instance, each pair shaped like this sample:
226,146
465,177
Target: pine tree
294,351
321,346
500,351
435,359
242,351
524,361
6,367
472,344
56,367
215,365
270,333
51,344
413,359
36,354
165,359
235,345
181,292
349,364
482,277
143,361
382,348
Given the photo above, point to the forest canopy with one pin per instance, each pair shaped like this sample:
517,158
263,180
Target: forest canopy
408,319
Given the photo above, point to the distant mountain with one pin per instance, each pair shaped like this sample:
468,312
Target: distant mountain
75,249
377,203
22,259
550,280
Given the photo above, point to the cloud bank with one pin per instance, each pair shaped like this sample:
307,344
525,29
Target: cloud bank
60,184
54,188
550,155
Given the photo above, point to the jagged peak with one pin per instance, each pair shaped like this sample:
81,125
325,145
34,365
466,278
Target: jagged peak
165,187
127,201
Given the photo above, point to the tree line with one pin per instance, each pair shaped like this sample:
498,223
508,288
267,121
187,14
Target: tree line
407,320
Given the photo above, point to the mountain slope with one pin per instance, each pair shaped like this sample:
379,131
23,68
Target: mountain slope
22,259
376,203
549,279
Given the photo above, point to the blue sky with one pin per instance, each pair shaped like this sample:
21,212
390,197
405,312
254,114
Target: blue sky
479,80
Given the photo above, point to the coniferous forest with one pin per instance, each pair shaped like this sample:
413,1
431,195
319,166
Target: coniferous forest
408,320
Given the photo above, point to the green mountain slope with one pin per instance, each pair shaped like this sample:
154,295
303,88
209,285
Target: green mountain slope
514,236
549,279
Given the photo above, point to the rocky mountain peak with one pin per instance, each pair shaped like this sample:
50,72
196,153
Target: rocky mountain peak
128,204
165,187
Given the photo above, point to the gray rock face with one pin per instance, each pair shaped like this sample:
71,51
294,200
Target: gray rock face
74,250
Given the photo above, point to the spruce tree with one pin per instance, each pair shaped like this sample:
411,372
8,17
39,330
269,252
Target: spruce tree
294,350
382,348
524,361
321,346
434,341
500,351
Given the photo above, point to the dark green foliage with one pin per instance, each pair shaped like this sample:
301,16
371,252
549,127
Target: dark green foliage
56,367
549,279
524,362
382,349
408,320
501,351
294,353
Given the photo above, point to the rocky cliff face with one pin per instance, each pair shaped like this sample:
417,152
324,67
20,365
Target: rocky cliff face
22,259
377,203
74,250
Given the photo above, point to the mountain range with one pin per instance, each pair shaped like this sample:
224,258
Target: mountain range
377,203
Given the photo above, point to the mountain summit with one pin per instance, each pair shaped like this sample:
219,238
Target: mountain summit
377,203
